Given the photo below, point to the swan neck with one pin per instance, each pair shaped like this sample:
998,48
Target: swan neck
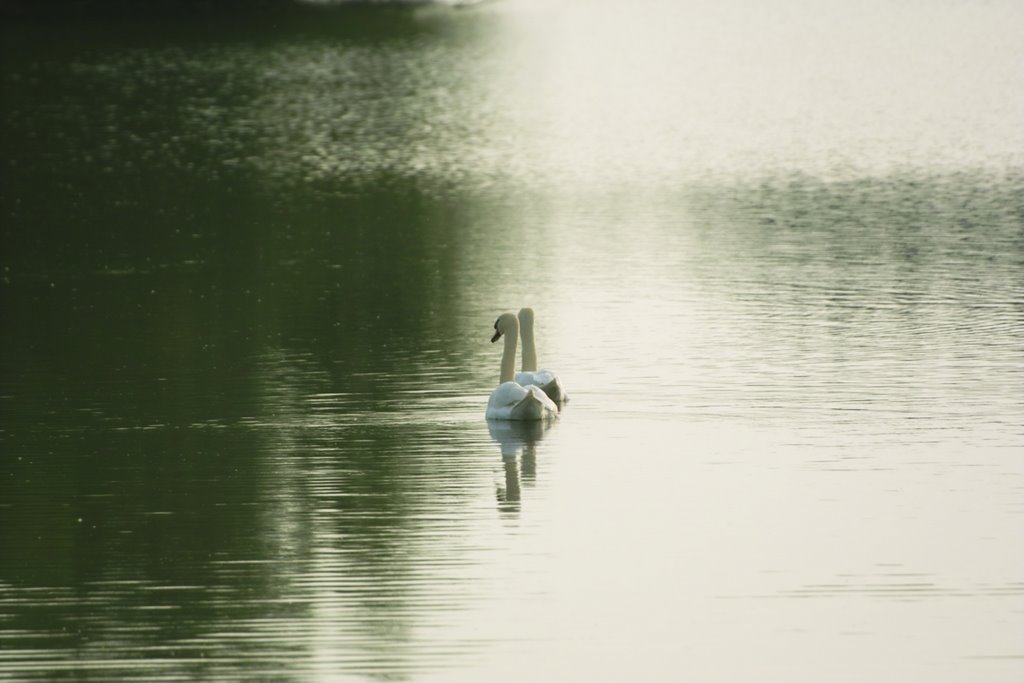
508,359
529,347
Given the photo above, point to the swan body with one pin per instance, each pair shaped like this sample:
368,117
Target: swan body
510,400
530,375
546,380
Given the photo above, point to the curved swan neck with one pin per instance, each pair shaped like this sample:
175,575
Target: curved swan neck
508,356
529,347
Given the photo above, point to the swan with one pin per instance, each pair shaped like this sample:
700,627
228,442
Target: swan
510,400
530,375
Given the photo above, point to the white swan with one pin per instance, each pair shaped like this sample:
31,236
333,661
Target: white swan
511,401
530,375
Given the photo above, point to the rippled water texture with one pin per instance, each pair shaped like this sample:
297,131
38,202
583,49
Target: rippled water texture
250,273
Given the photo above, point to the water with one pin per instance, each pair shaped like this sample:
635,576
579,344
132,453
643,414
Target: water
249,276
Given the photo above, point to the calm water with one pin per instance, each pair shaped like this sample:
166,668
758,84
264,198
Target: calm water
250,271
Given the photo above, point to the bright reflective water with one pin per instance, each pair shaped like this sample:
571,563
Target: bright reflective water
249,276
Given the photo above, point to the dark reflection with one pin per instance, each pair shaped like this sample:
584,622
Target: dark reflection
518,444
233,406
374,499
168,480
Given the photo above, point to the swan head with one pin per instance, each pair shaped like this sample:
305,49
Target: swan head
505,324
526,316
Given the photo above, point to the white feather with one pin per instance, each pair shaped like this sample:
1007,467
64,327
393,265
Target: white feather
512,401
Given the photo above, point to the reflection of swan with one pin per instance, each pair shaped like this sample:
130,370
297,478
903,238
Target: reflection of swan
510,401
511,437
530,375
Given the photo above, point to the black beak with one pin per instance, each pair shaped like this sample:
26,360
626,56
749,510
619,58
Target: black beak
496,336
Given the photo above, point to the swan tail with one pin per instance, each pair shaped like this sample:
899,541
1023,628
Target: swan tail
554,391
532,407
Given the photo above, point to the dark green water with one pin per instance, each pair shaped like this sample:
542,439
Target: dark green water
250,270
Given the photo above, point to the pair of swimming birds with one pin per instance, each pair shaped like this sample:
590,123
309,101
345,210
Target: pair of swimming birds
530,394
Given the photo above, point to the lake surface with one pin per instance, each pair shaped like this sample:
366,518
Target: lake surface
250,273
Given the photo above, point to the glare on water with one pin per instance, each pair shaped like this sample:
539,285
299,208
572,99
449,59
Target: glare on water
248,290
